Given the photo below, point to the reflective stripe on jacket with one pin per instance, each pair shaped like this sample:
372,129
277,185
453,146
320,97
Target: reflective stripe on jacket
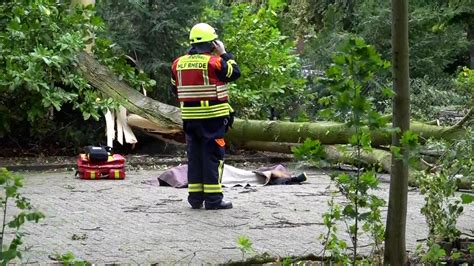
205,110
201,78
196,79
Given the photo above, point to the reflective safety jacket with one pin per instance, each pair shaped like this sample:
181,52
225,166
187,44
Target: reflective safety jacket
200,82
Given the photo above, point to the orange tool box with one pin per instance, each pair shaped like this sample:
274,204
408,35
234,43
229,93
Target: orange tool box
113,168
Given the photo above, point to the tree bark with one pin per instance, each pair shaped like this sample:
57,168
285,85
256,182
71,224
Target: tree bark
470,37
325,132
395,246
166,118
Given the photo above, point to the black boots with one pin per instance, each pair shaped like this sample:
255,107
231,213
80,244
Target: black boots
220,206
196,206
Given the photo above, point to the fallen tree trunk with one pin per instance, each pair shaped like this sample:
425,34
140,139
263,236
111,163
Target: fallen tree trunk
381,159
325,132
167,119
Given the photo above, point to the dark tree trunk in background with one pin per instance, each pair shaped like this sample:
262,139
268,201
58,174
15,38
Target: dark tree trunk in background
395,246
470,37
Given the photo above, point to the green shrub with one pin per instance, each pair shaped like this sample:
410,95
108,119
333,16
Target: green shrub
39,41
271,73
10,184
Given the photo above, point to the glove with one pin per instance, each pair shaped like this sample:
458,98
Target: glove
219,46
229,121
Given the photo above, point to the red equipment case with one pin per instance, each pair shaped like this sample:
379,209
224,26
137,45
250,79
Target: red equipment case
113,168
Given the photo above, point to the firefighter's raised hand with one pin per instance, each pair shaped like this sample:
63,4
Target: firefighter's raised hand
220,49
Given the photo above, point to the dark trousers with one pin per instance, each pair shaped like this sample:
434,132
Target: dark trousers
205,151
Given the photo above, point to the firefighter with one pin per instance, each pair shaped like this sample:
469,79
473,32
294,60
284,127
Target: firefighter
199,79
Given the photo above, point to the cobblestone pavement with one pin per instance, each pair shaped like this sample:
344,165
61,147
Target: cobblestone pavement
131,222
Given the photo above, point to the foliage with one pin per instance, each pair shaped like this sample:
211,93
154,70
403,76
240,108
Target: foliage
303,13
465,85
331,241
435,43
39,40
310,150
271,74
441,208
373,88
322,28
348,79
430,97
441,213
151,33
10,184
115,59
68,258
434,254
287,261
438,42
245,245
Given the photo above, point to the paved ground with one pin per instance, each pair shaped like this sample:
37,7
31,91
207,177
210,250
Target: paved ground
131,222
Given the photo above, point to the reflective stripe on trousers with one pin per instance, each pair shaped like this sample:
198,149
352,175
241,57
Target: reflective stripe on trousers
205,159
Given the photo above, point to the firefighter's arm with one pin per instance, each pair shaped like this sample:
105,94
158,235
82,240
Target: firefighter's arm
226,68
172,88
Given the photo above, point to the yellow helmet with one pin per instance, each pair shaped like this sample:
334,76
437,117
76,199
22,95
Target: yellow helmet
202,32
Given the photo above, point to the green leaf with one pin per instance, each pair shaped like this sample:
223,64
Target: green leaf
344,178
388,92
9,255
434,254
471,248
456,255
339,59
19,181
244,243
467,198
364,215
10,191
369,179
409,139
349,211
46,60
395,151
96,21
3,179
